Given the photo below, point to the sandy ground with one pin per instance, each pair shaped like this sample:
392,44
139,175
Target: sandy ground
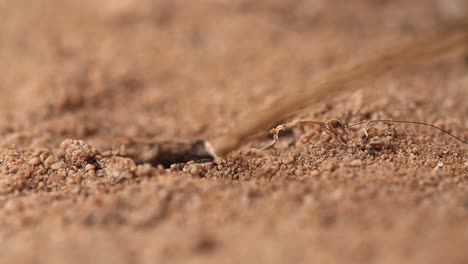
87,87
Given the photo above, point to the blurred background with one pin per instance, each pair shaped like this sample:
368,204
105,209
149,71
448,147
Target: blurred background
176,69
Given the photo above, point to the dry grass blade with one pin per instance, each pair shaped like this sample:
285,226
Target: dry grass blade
329,84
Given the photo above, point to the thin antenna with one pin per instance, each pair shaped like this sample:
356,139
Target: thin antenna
408,122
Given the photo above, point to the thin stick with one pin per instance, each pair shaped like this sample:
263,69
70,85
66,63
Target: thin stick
409,122
342,79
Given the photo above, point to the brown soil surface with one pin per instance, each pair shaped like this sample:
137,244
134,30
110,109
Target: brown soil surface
88,87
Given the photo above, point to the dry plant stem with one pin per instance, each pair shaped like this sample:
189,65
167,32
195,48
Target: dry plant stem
342,79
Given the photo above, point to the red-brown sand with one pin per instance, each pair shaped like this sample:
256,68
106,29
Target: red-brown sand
88,88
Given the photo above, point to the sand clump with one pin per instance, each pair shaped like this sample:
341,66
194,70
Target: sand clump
78,153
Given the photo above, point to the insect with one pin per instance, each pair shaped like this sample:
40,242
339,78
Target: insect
334,127
339,129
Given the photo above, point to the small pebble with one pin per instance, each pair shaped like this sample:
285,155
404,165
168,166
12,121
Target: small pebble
298,172
49,161
356,163
144,170
194,170
288,160
34,161
314,173
90,167
57,165
330,166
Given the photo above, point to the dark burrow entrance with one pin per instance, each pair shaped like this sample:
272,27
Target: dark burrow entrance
168,152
